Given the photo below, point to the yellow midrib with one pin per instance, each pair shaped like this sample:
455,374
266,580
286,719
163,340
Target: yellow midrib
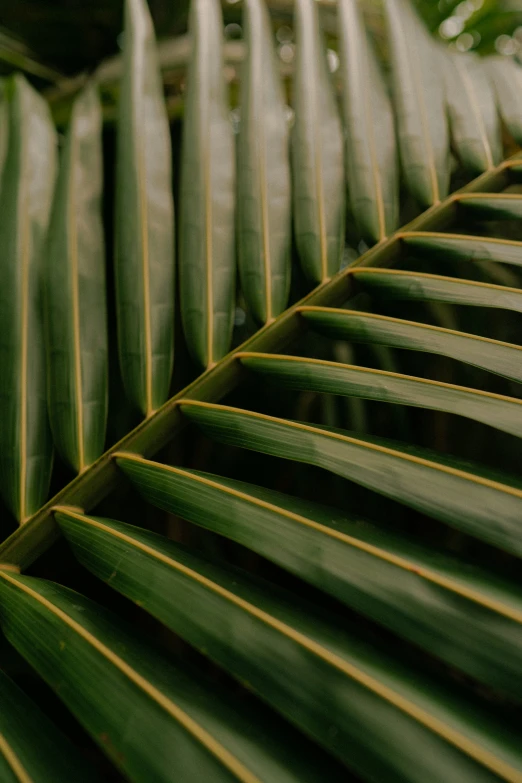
350,670
188,723
73,252
13,761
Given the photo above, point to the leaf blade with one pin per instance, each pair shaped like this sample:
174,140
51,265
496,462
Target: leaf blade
144,257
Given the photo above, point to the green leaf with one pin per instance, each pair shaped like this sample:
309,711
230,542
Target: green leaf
457,612
25,442
154,721
494,206
461,247
493,355
276,642
506,77
317,153
207,253
4,126
371,155
263,187
32,750
504,413
74,286
397,284
474,122
419,103
144,254
480,506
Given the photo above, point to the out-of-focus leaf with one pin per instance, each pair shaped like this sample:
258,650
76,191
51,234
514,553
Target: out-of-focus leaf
263,187
155,721
4,126
207,252
480,506
474,122
276,642
506,77
25,204
32,750
419,103
371,155
74,284
493,355
144,259
504,413
317,150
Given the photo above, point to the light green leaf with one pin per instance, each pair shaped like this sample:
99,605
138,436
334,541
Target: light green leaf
28,182
276,642
504,413
155,721
397,284
492,355
461,247
74,293
32,750
207,253
144,257
474,122
371,155
317,151
506,77
263,187
4,126
419,103
478,505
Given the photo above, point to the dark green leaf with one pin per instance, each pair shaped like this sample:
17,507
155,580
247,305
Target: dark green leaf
28,182
317,149
144,259
74,284
492,355
263,188
460,247
493,206
207,253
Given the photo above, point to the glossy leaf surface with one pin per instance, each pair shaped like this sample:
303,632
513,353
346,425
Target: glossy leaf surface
506,77
463,247
25,204
263,186
317,149
467,500
74,293
276,642
207,251
154,720
144,258
371,154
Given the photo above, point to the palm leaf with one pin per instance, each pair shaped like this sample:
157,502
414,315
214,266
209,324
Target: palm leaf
74,281
419,104
506,77
317,150
26,449
263,186
144,262
207,261
371,155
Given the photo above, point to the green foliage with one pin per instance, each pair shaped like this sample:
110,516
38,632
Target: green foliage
304,564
